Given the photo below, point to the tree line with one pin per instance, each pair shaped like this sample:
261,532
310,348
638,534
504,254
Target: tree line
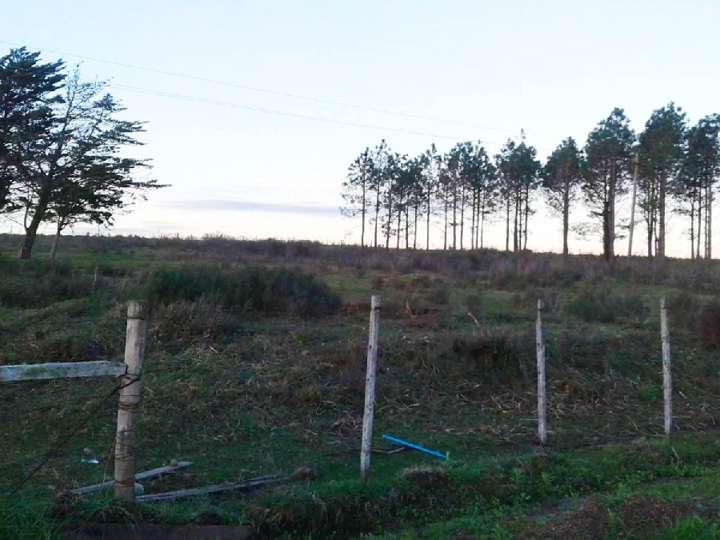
61,143
669,166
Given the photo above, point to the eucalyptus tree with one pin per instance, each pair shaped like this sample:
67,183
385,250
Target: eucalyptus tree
561,181
698,176
661,149
608,156
356,189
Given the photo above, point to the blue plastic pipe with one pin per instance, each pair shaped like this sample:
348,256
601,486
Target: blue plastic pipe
417,447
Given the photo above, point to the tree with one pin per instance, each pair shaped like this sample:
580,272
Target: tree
606,168
431,162
356,189
28,91
696,181
519,169
69,143
483,184
660,157
561,179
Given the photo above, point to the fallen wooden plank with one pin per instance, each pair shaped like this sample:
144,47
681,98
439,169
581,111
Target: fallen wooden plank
218,488
139,477
61,370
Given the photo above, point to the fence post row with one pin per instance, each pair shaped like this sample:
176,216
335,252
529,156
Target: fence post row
372,352
541,386
129,402
666,367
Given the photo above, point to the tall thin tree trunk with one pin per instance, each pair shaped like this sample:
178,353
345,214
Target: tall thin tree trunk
636,162
445,233
708,224
507,224
482,222
454,219
377,215
415,224
55,242
462,216
527,215
566,219
692,228
660,253
427,226
516,232
364,206
699,231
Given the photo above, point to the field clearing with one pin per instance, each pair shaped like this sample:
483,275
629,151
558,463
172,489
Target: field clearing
245,391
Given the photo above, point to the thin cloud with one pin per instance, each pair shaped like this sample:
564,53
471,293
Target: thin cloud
252,206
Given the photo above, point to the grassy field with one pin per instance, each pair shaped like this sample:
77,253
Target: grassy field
256,366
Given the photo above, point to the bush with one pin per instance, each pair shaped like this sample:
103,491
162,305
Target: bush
180,323
42,290
250,289
602,305
708,325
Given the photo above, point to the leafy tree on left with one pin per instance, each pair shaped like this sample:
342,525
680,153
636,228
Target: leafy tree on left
60,147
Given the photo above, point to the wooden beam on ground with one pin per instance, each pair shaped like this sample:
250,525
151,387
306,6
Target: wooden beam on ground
139,477
61,370
218,488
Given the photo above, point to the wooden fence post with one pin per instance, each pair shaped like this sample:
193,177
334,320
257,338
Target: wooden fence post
129,402
667,367
372,352
541,388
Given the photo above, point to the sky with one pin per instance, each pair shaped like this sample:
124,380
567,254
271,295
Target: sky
254,110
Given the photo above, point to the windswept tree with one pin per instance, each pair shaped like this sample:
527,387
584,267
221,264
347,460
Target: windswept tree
607,165
28,93
69,141
519,170
561,181
660,158
696,182
356,189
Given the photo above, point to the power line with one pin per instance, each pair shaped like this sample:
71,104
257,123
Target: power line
302,116
277,112
269,91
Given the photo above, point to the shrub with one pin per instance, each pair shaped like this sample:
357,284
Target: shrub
602,305
439,294
250,289
42,290
708,325
180,323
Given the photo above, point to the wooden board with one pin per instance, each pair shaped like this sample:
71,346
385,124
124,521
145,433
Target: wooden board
139,477
218,488
61,370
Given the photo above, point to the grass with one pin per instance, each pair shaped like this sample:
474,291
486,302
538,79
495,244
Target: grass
246,391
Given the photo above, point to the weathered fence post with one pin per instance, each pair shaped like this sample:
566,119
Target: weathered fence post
131,387
372,352
541,389
667,367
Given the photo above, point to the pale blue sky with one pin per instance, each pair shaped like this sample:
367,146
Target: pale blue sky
472,70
